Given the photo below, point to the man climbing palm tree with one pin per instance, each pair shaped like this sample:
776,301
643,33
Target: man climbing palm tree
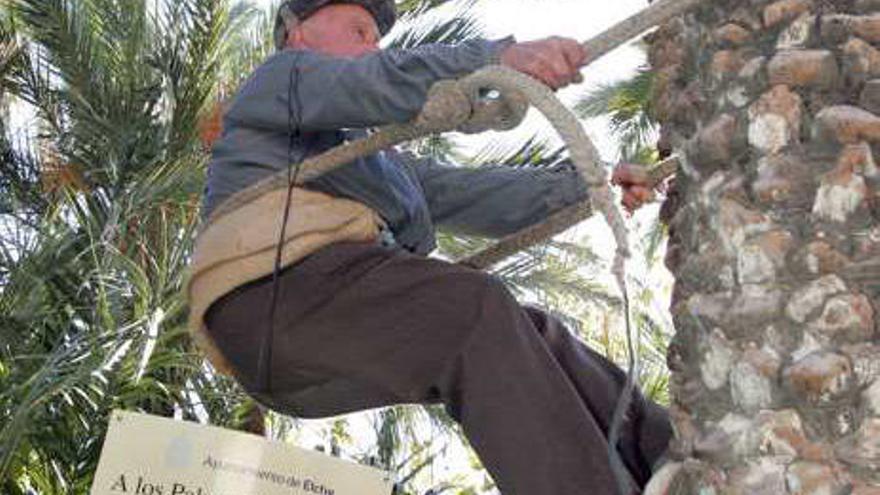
357,317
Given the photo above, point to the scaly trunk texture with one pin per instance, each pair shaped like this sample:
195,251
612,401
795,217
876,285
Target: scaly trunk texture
775,246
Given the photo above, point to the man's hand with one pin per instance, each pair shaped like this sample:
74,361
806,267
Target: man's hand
637,189
554,61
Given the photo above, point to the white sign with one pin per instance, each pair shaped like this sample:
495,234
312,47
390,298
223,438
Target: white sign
150,455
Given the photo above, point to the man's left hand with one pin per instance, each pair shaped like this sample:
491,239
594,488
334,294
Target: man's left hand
635,181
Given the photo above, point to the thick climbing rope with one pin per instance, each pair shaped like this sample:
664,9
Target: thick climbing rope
452,112
457,105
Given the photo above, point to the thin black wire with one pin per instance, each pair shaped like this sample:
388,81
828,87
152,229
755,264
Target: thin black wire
264,375
264,366
624,402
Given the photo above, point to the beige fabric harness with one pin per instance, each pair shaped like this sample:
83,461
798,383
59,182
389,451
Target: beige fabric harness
240,247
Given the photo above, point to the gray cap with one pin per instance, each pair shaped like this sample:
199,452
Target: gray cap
292,11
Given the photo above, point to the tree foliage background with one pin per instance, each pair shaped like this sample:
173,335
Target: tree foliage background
107,106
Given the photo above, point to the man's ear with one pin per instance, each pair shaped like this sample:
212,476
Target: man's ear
295,37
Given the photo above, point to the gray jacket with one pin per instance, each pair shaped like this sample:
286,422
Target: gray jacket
301,103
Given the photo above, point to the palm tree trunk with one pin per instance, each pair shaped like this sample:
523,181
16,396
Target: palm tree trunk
774,239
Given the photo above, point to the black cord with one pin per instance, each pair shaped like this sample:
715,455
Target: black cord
622,408
264,366
264,375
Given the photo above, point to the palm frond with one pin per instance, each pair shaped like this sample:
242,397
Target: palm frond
530,152
418,26
627,104
92,271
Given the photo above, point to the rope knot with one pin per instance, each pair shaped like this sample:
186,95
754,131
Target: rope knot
446,107
472,105
496,106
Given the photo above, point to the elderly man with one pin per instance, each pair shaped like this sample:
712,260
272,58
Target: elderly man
341,310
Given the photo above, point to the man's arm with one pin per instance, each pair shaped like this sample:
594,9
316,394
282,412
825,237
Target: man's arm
328,92
494,201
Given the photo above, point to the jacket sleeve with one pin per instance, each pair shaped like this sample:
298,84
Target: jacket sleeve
494,201
388,86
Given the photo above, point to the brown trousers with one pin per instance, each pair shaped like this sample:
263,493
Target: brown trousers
361,326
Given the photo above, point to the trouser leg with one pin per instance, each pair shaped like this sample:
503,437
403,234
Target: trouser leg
363,327
536,403
599,383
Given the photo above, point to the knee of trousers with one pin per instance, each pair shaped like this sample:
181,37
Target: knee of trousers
543,319
494,317
499,309
485,305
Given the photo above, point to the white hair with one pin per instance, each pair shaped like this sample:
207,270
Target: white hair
285,22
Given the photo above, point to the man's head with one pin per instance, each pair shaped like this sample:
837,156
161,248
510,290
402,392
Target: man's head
347,28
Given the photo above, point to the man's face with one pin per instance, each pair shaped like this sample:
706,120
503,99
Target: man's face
342,30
